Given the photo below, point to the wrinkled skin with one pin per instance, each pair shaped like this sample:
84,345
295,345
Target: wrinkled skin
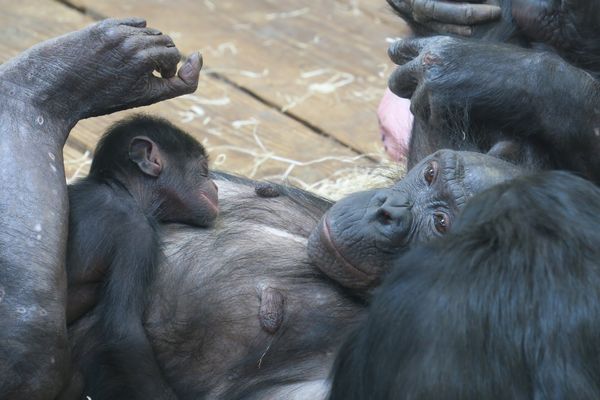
358,238
43,93
461,99
570,27
567,28
441,16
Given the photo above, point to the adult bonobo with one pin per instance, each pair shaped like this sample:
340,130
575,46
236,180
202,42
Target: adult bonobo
362,234
567,28
506,306
43,93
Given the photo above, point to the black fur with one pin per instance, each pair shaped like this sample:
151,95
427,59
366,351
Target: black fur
114,247
507,306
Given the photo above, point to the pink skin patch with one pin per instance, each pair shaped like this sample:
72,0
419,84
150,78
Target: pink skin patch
395,124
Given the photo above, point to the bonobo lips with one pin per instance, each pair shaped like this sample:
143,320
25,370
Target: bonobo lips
395,124
339,268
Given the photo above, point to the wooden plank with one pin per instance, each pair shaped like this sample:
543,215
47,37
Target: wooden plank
324,62
242,135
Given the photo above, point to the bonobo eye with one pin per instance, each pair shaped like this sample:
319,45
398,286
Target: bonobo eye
441,222
430,172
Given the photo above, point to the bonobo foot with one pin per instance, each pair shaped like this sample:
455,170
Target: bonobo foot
103,68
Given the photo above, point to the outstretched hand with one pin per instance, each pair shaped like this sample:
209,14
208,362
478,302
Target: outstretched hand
451,17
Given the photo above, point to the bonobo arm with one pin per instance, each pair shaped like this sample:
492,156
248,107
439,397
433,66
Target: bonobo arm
572,27
441,16
125,367
43,93
462,90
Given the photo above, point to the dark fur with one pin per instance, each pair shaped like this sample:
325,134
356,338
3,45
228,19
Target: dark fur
114,247
205,319
507,306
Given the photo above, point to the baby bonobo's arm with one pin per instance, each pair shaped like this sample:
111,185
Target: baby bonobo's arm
43,93
124,367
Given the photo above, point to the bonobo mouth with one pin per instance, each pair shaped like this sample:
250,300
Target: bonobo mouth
349,270
213,205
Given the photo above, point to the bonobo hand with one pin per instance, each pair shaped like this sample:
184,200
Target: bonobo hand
103,68
445,75
559,23
453,17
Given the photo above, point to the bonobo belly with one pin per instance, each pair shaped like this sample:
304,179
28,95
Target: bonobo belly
238,312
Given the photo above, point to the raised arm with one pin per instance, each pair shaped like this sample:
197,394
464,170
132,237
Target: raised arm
43,93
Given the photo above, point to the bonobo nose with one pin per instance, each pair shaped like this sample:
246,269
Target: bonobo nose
394,216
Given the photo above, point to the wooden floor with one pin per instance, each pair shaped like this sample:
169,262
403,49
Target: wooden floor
289,88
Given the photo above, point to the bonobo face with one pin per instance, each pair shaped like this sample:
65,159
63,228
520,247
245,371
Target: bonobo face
361,234
191,196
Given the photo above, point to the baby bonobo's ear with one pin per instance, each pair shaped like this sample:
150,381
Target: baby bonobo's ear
146,154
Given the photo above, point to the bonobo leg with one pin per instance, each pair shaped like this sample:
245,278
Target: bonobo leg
43,93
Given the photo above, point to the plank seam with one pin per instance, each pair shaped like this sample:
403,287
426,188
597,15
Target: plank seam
222,78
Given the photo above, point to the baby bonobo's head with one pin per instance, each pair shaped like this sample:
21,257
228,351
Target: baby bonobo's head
155,159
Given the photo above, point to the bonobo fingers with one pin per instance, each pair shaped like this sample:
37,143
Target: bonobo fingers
186,81
405,50
404,79
161,59
455,13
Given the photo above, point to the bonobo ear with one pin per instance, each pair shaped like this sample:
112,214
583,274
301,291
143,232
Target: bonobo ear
506,150
145,153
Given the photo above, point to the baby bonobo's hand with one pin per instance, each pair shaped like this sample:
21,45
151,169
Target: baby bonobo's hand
447,17
103,68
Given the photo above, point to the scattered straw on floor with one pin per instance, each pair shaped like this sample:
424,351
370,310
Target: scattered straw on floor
339,184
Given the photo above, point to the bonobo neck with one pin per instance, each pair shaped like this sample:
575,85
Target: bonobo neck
142,191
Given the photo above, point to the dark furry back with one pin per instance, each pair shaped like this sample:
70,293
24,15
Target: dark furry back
505,307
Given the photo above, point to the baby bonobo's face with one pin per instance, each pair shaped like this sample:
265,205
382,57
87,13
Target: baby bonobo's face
191,197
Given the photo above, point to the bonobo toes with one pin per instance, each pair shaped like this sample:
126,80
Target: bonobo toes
103,68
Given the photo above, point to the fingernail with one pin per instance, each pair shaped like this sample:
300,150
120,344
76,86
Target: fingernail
191,63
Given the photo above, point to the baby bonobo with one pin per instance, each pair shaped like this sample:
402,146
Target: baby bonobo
145,172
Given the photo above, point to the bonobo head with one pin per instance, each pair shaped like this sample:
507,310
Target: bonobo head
503,307
164,168
359,237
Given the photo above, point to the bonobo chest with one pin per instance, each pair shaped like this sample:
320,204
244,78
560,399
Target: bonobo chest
238,311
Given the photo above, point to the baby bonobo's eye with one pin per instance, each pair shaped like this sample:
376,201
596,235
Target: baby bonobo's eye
441,221
204,168
430,172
